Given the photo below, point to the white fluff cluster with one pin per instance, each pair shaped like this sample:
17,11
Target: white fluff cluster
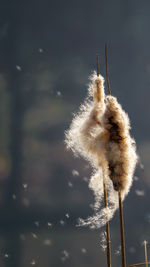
100,134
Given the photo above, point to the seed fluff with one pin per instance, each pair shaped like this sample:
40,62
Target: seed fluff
99,133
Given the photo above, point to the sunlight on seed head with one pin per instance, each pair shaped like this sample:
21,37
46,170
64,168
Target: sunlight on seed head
99,133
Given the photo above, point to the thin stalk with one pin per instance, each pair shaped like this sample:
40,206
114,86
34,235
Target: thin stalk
107,228
106,63
138,264
145,249
98,72
122,231
105,201
146,261
119,193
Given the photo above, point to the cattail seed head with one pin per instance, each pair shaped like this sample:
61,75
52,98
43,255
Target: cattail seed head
99,132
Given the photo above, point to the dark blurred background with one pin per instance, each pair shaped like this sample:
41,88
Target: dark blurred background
47,51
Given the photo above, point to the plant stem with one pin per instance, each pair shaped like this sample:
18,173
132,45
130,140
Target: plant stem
145,248
138,264
98,72
105,202
107,77
122,231
107,227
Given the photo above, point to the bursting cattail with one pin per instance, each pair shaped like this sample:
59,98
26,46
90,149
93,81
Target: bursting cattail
85,126
121,148
100,134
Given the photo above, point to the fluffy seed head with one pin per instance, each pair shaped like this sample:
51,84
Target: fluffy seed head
99,132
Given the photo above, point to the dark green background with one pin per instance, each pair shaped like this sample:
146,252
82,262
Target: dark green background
39,91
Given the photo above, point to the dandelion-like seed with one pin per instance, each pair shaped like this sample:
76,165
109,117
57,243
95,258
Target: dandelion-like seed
139,192
34,235
67,215
22,237
85,179
70,184
33,262
62,222
75,173
103,241
65,255
6,255
14,196
47,242
25,186
59,94
132,250
83,250
18,68
37,223
40,50
117,251
49,225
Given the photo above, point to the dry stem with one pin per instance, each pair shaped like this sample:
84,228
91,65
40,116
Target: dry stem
119,193
98,72
105,201
138,264
107,227
107,77
145,248
122,231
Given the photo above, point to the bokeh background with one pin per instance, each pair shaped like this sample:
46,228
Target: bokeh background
47,52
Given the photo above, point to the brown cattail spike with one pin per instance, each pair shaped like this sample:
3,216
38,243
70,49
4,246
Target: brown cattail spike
107,77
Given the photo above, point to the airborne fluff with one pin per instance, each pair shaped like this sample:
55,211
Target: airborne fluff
99,132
